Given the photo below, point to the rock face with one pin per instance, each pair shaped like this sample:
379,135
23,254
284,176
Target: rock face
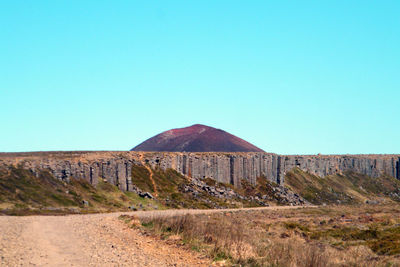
232,167
229,168
371,165
196,138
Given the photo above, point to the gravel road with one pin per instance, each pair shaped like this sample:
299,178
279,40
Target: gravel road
89,240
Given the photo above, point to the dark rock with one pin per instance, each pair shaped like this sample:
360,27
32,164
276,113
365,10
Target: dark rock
146,195
115,168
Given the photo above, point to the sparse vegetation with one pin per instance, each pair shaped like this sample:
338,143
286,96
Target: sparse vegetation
347,188
171,190
345,235
329,236
23,193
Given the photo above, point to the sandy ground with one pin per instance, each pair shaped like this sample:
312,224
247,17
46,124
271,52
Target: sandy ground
90,240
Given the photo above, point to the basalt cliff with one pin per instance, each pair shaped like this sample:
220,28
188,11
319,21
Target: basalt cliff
229,168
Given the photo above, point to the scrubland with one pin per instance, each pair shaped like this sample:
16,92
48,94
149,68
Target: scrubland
363,235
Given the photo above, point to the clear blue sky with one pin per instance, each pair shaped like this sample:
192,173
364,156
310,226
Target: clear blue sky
292,77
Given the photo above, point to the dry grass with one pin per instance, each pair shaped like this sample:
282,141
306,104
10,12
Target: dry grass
23,193
346,188
222,237
298,237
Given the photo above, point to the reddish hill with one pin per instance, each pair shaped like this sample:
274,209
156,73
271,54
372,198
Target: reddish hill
196,138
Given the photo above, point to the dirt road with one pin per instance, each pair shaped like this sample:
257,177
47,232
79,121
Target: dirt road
89,240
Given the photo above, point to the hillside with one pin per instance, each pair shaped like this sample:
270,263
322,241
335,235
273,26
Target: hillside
23,192
196,138
346,188
38,182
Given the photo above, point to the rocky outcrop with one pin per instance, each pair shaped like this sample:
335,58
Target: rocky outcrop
232,167
278,193
228,168
115,167
371,165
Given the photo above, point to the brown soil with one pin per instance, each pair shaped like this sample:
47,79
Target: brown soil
150,175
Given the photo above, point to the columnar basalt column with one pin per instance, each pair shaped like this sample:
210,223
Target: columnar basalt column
231,168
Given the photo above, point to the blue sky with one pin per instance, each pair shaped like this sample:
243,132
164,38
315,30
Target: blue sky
292,77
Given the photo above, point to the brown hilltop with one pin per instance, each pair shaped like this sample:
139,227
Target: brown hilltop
196,138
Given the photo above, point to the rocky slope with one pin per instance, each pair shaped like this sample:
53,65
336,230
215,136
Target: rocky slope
23,192
228,168
173,171
345,188
36,191
196,138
